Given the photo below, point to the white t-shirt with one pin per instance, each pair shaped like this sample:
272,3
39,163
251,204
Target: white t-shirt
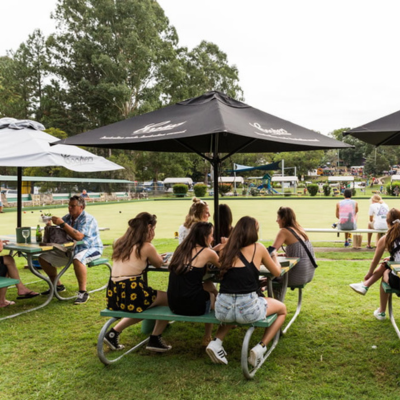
182,232
379,212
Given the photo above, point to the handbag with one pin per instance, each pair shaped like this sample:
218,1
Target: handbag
304,245
55,236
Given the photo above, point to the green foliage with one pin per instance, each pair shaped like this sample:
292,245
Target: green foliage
223,189
304,161
327,190
180,189
254,192
200,190
312,189
287,193
391,188
379,161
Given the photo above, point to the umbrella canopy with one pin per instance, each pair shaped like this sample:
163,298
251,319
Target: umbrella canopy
208,125
24,144
383,131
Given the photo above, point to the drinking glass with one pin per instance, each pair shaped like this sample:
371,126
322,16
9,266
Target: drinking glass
25,234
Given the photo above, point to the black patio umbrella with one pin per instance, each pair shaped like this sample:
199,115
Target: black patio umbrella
383,131
208,125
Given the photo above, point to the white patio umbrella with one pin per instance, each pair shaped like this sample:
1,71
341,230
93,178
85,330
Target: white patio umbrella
24,144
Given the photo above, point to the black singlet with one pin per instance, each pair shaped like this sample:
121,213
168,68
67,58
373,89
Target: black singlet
241,280
186,295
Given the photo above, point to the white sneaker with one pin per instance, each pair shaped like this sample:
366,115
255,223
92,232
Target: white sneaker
379,315
257,354
216,352
359,288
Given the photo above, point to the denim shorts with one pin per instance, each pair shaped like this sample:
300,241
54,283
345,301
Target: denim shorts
240,308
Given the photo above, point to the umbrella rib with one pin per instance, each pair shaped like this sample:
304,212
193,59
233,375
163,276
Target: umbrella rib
239,149
194,150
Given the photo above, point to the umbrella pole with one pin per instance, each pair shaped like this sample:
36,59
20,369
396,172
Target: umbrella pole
215,162
19,197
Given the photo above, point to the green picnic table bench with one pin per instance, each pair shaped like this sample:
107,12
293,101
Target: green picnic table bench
390,291
6,282
164,313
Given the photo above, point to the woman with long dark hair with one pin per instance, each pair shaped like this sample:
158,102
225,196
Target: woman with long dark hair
225,221
391,243
295,238
126,289
238,300
187,293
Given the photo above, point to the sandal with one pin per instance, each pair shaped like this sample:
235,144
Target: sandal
8,303
368,247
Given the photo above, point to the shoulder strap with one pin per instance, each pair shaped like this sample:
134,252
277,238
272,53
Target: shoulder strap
304,245
255,248
243,259
196,255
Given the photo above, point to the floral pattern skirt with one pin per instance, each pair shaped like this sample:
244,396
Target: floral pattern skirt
131,295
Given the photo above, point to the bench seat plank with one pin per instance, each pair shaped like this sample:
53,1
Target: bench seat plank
5,282
164,313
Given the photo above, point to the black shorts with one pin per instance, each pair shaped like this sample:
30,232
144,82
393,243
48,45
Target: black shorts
3,267
394,281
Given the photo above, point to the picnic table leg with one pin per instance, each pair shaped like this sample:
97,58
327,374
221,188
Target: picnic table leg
100,344
249,373
390,309
41,276
298,309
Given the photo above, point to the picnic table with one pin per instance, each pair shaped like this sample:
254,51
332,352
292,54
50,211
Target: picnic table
394,266
29,251
164,313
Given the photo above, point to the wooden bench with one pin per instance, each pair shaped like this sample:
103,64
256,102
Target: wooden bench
165,314
6,282
390,292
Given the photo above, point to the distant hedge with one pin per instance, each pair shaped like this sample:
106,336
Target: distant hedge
200,189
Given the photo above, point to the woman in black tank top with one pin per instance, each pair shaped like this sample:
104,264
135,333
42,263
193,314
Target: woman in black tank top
237,300
187,293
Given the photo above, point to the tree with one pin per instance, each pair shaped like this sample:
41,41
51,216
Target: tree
377,163
352,156
22,75
304,161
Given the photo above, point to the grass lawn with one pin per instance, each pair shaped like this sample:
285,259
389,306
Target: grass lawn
327,353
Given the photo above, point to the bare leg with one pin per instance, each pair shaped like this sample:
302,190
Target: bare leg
274,307
223,331
369,239
209,287
49,269
378,273
81,274
3,301
383,299
13,273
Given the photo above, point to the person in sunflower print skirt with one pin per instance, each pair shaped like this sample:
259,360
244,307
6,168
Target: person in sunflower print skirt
126,289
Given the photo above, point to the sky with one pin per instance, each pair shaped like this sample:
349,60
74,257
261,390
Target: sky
322,64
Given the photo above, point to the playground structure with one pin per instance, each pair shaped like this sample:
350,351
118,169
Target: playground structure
266,184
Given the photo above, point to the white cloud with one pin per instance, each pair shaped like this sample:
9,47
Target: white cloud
321,64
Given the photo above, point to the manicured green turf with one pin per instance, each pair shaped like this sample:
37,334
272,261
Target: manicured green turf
311,213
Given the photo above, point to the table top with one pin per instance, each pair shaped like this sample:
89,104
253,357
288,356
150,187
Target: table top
395,266
286,264
31,248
